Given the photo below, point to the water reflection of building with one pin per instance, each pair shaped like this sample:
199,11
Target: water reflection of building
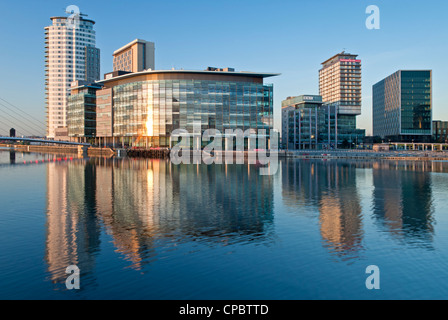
12,157
154,199
148,206
72,225
402,200
329,187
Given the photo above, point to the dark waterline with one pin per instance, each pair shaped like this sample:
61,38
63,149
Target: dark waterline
147,229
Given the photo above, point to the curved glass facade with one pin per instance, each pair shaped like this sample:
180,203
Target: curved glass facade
154,108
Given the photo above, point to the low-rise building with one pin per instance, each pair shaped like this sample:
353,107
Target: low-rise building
81,111
300,122
440,131
308,123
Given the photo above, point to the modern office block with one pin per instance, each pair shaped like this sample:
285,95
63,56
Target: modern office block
338,130
135,56
81,110
104,115
402,106
308,123
70,55
92,64
300,122
144,108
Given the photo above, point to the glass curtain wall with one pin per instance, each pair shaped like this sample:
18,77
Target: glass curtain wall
147,112
416,117
81,114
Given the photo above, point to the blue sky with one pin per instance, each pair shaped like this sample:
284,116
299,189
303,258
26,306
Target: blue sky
288,37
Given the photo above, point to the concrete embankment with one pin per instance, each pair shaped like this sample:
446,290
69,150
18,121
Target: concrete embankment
368,155
94,152
149,153
45,149
164,153
334,154
101,152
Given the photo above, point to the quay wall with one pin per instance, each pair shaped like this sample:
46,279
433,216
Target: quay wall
60,149
305,154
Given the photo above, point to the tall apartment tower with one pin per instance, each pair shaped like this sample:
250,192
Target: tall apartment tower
70,55
136,56
340,83
340,88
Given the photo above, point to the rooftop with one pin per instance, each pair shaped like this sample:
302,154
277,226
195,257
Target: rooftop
130,44
232,73
337,56
80,17
401,70
302,99
84,84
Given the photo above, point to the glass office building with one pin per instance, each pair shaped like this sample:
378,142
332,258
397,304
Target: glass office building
338,130
149,105
308,123
81,111
300,122
402,106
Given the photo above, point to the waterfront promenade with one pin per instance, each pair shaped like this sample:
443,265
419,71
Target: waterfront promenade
61,149
367,154
418,155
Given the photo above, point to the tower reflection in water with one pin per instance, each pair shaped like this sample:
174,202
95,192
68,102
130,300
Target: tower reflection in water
401,200
12,157
73,227
147,206
329,187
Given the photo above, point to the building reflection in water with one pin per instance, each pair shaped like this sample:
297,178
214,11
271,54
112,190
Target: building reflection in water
149,207
402,200
143,202
329,188
401,197
12,157
72,224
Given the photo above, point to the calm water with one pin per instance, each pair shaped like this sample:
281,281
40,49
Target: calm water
143,229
